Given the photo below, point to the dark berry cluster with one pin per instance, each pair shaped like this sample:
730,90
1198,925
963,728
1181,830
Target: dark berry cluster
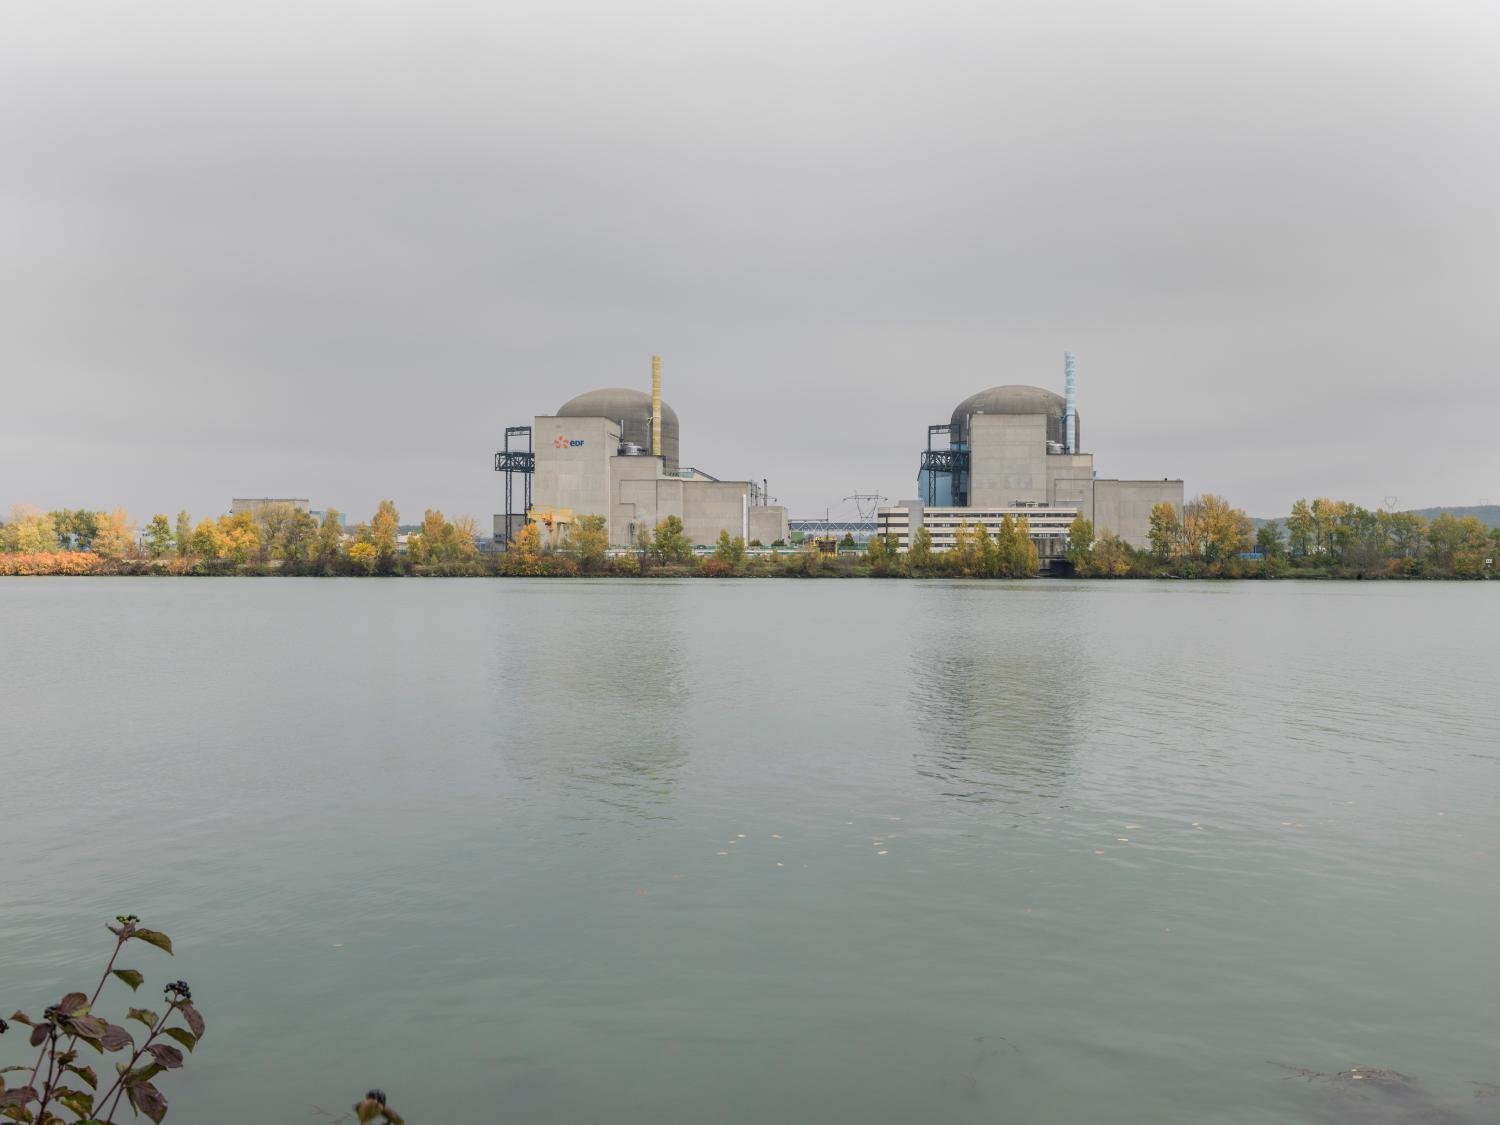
4,1027
126,919
52,1014
178,992
376,1095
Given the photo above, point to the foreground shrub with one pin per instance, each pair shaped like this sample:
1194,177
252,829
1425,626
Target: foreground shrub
56,1080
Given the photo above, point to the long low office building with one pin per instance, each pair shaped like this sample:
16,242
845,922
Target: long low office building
615,453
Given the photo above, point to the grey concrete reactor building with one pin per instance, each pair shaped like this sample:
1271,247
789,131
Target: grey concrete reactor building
1017,451
616,453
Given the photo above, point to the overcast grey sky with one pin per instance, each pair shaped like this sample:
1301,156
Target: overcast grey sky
332,249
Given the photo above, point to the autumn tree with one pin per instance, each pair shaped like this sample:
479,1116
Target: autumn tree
205,540
158,536
1111,557
384,529
1459,544
115,534
363,556
960,557
589,540
1166,531
29,531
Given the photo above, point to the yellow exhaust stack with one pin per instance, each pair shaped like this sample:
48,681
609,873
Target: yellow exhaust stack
656,406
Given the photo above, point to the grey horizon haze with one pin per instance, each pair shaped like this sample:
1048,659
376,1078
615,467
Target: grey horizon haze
331,250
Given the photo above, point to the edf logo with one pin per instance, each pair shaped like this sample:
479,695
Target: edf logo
564,443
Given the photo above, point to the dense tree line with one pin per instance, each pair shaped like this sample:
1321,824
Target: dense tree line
1321,538
276,538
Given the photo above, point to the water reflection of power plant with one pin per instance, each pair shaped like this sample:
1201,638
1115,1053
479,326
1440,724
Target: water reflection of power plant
1017,451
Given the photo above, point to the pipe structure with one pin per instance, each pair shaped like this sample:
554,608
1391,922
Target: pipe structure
656,406
1070,382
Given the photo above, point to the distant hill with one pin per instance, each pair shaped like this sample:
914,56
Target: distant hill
1488,514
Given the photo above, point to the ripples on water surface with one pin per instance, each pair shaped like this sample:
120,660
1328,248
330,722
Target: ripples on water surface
576,852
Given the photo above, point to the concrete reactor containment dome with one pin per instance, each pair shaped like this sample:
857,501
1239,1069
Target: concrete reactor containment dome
632,409
1015,400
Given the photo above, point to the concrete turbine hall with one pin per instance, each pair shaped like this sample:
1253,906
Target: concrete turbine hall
614,453
1017,451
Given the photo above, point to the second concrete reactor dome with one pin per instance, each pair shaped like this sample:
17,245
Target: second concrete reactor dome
1013,399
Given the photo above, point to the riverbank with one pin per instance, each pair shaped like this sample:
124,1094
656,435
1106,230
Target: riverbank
805,564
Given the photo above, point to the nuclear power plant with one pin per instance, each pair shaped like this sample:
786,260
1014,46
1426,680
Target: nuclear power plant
1017,451
1009,451
615,453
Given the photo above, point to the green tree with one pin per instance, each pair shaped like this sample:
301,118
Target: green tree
1407,534
847,540
158,535
669,544
730,550
1081,540
1166,531
1268,540
330,543
589,538
1301,530
1460,545
75,529
919,554
184,535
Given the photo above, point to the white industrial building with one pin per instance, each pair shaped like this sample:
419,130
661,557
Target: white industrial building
614,453
1017,451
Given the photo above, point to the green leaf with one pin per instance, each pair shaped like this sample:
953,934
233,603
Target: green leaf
130,977
87,1074
143,1015
154,937
79,1102
181,1034
8,1069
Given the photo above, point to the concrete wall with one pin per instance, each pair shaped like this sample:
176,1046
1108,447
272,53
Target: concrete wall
713,506
642,498
570,475
1007,459
1124,506
768,523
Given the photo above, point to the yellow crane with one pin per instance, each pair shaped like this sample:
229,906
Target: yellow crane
553,521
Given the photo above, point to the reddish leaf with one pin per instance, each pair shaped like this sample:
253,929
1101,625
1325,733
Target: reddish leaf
169,1057
194,1020
20,1096
115,1038
22,1017
39,1034
88,1027
73,1002
147,1099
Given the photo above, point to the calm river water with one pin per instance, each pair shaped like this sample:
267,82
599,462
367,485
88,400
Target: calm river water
661,853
